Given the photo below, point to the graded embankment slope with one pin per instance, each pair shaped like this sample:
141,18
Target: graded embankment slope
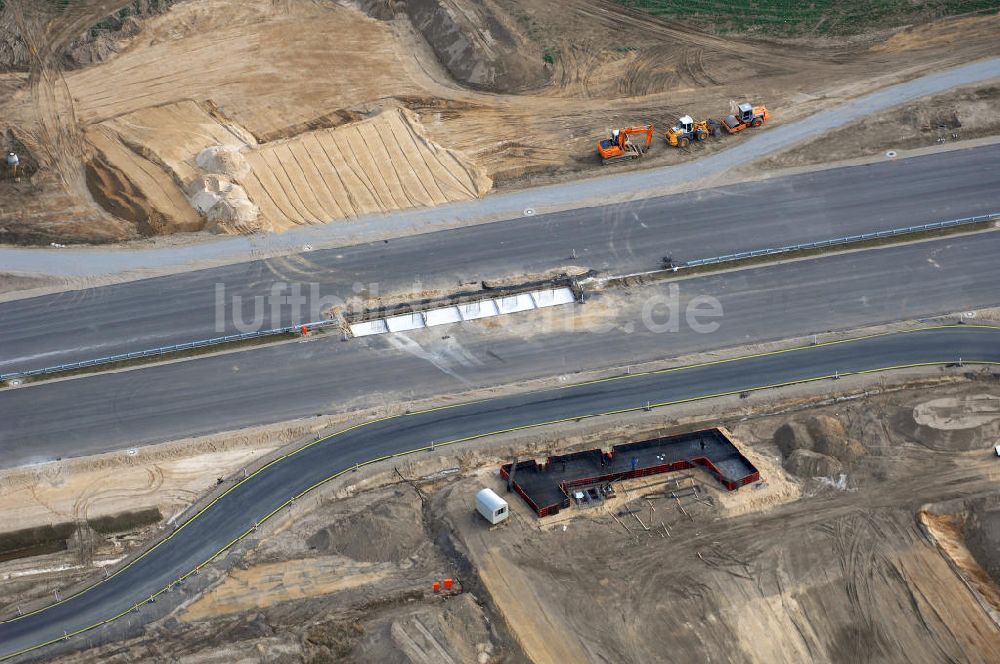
377,165
562,75
187,152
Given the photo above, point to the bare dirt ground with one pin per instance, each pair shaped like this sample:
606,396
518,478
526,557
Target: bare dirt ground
514,93
833,560
962,115
842,573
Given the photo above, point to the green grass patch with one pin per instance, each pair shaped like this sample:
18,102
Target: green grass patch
795,18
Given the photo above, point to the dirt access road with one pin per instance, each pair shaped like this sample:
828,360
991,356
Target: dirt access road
409,110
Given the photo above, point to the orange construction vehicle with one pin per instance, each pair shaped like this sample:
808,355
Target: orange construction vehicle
746,116
620,145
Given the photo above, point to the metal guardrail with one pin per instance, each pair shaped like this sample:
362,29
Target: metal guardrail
167,350
840,241
218,341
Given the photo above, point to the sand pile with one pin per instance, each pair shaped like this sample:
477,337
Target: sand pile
806,463
375,534
817,447
225,160
224,204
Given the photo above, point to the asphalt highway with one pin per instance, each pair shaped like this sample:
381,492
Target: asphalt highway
253,500
112,411
85,324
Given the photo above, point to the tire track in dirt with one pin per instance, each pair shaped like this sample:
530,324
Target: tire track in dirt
409,180
342,197
361,191
265,175
410,147
301,182
261,196
285,185
361,147
293,191
404,179
57,132
324,194
349,157
101,489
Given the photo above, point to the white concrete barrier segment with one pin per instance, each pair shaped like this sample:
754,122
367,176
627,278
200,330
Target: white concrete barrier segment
514,303
414,321
442,316
487,308
551,297
476,310
369,327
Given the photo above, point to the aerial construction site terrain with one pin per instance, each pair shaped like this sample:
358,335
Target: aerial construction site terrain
499,331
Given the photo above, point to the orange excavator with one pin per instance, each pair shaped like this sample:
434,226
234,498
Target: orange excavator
621,146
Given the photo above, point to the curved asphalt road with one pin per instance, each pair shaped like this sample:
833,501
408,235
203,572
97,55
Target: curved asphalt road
97,322
254,500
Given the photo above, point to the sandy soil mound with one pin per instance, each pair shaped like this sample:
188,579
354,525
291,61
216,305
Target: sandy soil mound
812,464
953,423
374,535
983,535
968,534
178,162
235,186
223,160
224,204
134,188
817,447
174,135
951,413
793,436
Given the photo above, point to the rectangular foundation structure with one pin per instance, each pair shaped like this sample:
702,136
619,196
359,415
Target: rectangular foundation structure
546,486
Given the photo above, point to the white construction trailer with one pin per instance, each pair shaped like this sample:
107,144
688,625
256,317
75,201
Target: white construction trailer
493,508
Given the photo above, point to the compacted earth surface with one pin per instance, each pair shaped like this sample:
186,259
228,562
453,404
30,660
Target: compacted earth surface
871,536
157,117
